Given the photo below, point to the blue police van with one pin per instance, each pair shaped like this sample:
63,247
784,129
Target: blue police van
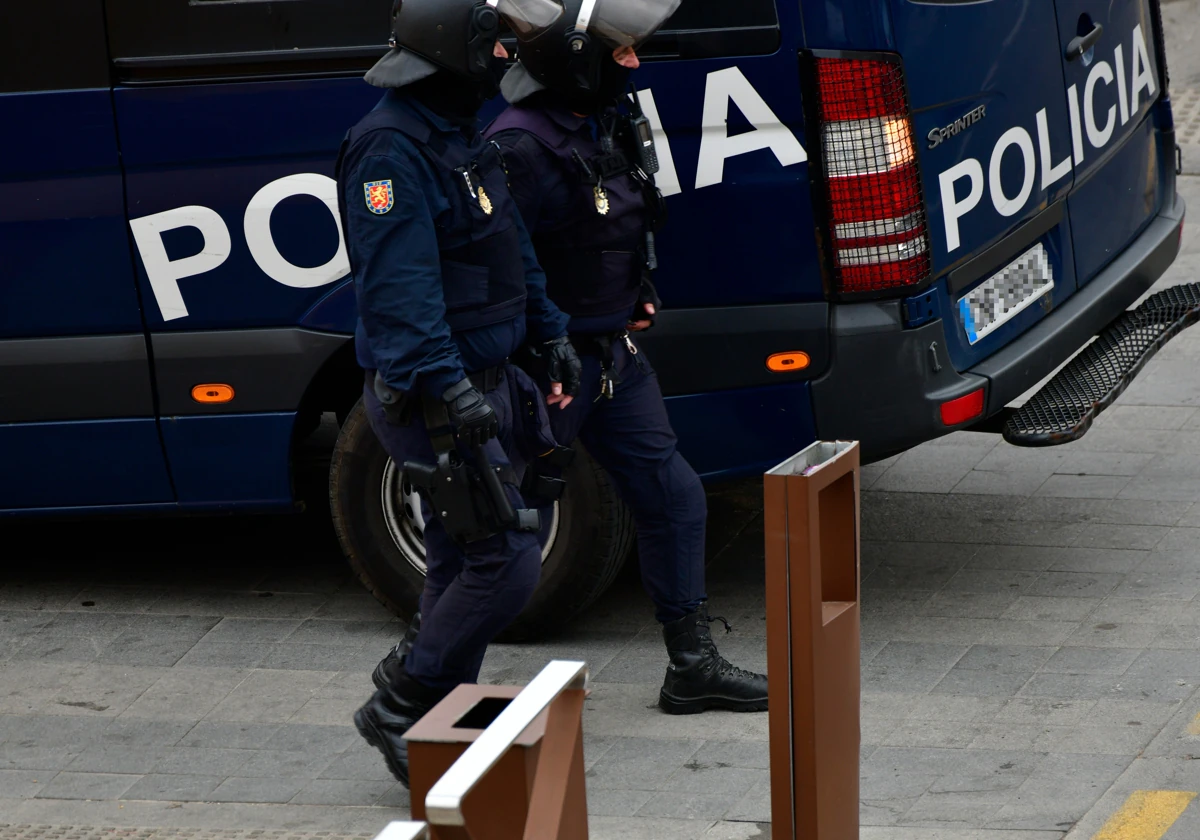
889,219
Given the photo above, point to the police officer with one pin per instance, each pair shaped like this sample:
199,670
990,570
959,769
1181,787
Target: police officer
580,164
448,288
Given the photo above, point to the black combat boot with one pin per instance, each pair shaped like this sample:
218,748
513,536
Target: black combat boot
390,713
699,678
388,665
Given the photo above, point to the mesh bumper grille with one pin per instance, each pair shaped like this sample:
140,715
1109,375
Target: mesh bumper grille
1064,409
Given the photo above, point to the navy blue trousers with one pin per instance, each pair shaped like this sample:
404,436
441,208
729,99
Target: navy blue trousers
630,436
472,592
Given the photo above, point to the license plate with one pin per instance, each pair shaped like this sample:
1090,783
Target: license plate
1006,294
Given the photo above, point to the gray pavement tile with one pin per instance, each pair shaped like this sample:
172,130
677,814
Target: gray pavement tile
205,654
18,626
1178,637
239,789
889,705
969,604
1031,633
883,812
353,606
919,655
1185,541
894,601
1143,537
307,737
868,648
877,679
1084,660
952,708
915,553
639,763
1014,736
200,761
290,657
260,631
1113,634
893,773
1104,740
119,599
95,625
53,731
1083,486
361,762
36,757
278,764
982,683
1005,458
1113,610
173,788
397,797
1037,608
748,754
269,696
956,808
924,577
986,482
103,690
930,733
1085,463
1075,584
1011,659
115,758
646,828
1142,512
59,649
1133,712
343,632
992,580
1166,585
1141,417
1070,686
343,792
160,652
87,786
49,598
1167,663
234,736
1046,509
688,806
242,604
1059,792
616,803
185,693
696,777
23,784
1015,558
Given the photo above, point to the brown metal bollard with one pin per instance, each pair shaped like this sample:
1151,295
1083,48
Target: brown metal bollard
811,518
535,790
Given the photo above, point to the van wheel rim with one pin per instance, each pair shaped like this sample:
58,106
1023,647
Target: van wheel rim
406,524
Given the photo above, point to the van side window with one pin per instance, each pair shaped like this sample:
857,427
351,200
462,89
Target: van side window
714,28
195,40
53,46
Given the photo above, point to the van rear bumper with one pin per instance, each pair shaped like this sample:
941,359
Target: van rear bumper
885,384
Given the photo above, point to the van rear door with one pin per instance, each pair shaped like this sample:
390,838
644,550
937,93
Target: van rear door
992,134
1111,64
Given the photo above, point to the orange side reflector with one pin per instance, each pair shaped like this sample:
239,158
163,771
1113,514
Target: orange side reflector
785,362
212,394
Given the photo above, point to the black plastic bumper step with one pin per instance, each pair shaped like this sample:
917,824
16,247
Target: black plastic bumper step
1064,409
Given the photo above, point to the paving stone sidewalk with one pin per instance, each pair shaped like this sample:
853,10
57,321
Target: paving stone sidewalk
1031,656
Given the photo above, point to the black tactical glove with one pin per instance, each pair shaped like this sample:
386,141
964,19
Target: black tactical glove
563,365
472,417
647,294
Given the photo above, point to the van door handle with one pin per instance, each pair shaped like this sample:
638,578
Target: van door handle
1082,43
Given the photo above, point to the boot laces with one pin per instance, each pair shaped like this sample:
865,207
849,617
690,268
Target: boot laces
709,619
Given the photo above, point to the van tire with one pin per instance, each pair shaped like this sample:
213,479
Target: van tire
584,560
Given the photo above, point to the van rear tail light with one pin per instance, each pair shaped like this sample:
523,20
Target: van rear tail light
876,212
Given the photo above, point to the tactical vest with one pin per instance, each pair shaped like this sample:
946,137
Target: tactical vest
593,262
483,272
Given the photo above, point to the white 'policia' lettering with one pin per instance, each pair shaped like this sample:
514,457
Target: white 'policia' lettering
1086,119
723,87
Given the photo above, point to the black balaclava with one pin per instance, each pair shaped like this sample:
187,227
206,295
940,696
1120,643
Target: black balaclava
454,97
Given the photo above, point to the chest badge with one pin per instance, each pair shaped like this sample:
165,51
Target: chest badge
601,196
380,197
485,201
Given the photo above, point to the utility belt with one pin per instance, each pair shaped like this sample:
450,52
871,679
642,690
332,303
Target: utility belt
469,499
601,346
399,407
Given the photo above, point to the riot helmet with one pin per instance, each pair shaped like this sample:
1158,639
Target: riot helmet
455,35
574,56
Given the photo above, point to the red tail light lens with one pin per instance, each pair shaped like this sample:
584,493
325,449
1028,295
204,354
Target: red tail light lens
876,211
963,409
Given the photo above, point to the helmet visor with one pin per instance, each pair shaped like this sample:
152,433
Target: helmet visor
626,23
528,18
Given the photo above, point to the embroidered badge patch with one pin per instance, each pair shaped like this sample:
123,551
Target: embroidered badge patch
379,196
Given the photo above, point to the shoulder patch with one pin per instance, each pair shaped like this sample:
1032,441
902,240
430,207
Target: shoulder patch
379,196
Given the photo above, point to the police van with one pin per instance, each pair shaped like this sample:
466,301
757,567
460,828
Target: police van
889,219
